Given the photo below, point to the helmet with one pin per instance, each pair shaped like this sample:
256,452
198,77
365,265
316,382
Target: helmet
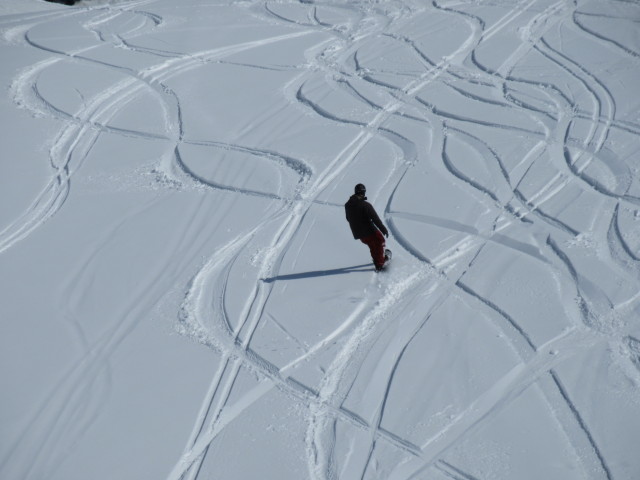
360,189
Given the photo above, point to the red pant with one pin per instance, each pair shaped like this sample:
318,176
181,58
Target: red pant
376,245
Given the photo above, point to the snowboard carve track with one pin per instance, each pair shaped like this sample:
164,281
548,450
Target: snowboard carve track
337,62
321,431
259,300
78,138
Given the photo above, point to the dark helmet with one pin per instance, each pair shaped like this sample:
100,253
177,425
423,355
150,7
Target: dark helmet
360,189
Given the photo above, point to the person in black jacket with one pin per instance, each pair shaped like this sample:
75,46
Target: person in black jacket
366,226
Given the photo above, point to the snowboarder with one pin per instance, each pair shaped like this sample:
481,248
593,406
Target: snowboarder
367,227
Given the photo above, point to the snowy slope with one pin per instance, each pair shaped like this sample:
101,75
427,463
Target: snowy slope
182,298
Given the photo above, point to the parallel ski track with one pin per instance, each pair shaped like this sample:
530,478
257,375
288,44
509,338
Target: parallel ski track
288,231
320,465
596,119
205,318
77,139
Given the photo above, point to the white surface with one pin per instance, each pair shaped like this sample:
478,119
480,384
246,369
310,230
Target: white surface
181,296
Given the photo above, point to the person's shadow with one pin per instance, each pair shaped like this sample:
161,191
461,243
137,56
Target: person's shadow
320,273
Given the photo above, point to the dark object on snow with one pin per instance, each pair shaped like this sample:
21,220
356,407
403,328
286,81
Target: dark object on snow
64,2
366,226
387,260
362,217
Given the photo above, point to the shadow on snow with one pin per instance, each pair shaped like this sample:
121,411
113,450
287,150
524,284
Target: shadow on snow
320,273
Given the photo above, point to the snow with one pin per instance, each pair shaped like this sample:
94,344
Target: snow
181,295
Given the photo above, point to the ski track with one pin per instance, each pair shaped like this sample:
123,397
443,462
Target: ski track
204,315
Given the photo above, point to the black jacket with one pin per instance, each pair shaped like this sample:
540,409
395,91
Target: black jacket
362,217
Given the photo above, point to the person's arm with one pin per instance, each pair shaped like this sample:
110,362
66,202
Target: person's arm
376,220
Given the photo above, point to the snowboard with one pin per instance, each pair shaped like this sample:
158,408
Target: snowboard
387,255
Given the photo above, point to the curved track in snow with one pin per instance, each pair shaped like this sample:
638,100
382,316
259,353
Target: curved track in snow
453,118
